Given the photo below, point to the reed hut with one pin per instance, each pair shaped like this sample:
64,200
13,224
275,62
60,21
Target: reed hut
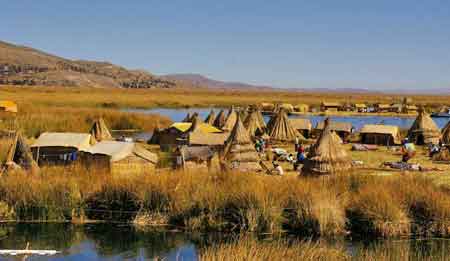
197,136
117,157
342,129
301,107
59,148
231,120
196,159
267,107
19,155
261,119
287,107
219,122
210,118
303,126
243,113
100,131
380,134
330,106
424,130
327,155
253,125
446,134
281,130
239,152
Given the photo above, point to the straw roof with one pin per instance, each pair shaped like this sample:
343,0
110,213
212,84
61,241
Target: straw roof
199,137
360,105
80,141
301,124
100,131
117,150
327,155
187,126
393,131
336,126
220,120
253,125
331,104
261,119
20,154
210,118
239,150
446,134
281,129
424,129
231,120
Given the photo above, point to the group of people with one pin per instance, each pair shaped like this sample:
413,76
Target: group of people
300,151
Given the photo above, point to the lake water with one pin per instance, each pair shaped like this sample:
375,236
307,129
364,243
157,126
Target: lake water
122,242
358,122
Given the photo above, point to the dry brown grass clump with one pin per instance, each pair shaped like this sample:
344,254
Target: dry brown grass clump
246,248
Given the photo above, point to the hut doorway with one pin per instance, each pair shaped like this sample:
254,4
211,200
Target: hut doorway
420,140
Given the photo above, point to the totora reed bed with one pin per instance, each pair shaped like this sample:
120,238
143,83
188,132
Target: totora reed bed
333,206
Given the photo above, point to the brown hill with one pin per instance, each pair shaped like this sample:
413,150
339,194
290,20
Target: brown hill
21,65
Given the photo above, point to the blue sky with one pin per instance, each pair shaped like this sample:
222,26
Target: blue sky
306,44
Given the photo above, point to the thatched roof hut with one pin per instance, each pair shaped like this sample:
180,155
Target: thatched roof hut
239,152
210,118
100,131
231,120
327,156
380,134
303,126
261,118
197,136
19,155
253,125
8,106
281,130
342,129
120,158
446,134
220,120
424,130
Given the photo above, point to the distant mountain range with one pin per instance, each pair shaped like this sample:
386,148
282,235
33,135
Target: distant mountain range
21,65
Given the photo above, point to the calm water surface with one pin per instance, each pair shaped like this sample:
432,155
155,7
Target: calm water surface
358,122
113,242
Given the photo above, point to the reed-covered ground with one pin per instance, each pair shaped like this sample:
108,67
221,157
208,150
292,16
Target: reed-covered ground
189,97
355,204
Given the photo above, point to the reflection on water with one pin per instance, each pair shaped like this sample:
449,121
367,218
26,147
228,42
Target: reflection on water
358,122
108,242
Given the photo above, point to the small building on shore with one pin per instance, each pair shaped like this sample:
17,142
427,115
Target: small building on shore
59,148
330,106
342,129
380,134
360,107
200,158
301,108
117,157
303,126
8,106
382,107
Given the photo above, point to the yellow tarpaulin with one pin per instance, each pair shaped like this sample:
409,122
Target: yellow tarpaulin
8,106
184,126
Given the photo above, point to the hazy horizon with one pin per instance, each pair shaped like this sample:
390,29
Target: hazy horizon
294,44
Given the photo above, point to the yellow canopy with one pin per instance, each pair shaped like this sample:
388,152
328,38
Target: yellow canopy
204,127
8,106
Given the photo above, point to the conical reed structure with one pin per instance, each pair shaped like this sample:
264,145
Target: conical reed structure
239,152
261,118
210,118
424,130
327,155
100,131
231,120
253,126
19,154
220,120
281,130
446,134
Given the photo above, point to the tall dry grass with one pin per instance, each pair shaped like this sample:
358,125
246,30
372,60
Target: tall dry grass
248,248
234,202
